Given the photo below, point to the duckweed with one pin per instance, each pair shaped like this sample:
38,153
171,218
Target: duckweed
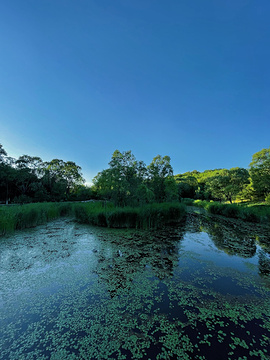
71,291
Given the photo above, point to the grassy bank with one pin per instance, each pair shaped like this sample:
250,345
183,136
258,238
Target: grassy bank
246,212
150,216
18,217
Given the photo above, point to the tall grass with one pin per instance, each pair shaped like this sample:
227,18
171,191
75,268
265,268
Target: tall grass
255,214
18,217
100,214
144,217
187,201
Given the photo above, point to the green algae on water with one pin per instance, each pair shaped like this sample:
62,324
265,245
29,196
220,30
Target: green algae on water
74,292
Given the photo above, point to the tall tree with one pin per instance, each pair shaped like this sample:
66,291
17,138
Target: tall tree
186,185
229,184
7,175
260,172
159,169
34,164
121,181
62,177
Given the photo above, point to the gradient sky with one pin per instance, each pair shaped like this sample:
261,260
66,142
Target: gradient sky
188,79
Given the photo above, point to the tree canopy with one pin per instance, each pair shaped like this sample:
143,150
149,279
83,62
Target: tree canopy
29,179
128,181
260,172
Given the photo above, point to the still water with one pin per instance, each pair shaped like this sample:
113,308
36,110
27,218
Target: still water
197,291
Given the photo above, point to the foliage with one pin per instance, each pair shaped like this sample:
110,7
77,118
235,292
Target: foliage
29,179
120,183
128,182
260,172
158,172
220,184
228,185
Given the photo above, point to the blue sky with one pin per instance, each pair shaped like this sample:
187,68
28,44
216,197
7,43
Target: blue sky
188,79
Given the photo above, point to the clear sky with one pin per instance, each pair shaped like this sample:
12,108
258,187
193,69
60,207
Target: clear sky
188,79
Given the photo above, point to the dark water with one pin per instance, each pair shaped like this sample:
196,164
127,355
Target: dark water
200,291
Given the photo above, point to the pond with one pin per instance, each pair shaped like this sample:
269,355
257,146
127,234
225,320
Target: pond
196,291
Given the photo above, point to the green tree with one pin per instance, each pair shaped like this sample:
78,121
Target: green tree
24,179
187,185
103,184
28,172
7,176
159,169
144,194
171,190
215,186
62,177
228,185
120,182
7,180
260,172
34,164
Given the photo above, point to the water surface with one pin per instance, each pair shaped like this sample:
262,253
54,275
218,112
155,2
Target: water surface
197,291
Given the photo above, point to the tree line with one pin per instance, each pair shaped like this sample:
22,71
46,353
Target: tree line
229,184
130,182
29,179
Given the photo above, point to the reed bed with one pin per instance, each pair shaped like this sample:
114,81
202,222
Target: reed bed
151,216
17,217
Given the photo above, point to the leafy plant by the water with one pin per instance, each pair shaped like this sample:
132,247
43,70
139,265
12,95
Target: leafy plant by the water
143,217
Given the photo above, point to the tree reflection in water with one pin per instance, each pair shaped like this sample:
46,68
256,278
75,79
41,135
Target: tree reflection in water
122,257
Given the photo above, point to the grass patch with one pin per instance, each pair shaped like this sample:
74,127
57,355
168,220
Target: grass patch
17,217
247,212
150,216
187,201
